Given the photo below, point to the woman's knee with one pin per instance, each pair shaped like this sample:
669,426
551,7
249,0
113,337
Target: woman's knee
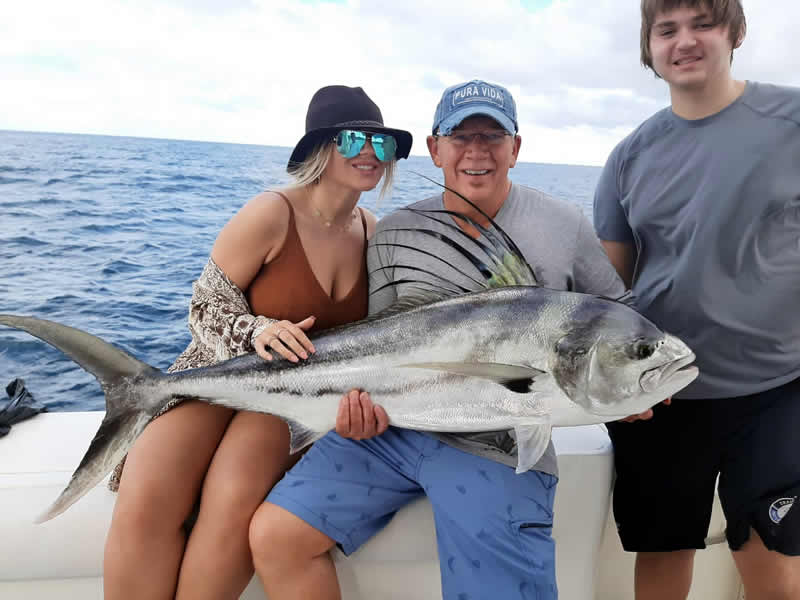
147,509
229,505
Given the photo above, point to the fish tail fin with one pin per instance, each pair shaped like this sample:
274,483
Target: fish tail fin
113,440
127,410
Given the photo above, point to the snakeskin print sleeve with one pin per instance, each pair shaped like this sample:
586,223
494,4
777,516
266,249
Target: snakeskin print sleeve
220,318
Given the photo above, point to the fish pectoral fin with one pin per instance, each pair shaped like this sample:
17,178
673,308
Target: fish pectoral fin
301,436
532,441
516,378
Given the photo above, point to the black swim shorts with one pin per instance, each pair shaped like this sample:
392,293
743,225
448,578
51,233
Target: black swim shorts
667,470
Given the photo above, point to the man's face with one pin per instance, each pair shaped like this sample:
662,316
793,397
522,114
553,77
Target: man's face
476,165
689,51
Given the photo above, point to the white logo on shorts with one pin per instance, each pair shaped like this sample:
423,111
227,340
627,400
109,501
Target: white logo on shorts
780,508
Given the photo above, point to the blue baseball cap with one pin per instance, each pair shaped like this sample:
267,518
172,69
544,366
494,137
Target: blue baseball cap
473,98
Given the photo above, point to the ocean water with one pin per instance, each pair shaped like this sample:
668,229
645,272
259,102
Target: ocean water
107,234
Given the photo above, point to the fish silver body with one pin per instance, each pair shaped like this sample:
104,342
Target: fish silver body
524,358
402,361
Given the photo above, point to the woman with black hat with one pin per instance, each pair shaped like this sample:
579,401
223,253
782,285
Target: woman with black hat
286,264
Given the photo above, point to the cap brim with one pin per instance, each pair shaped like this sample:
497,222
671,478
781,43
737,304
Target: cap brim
310,140
455,119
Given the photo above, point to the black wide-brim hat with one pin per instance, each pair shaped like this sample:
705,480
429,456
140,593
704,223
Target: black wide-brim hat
337,107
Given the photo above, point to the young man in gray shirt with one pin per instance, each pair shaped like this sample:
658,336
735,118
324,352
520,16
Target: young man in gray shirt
699,210
493,527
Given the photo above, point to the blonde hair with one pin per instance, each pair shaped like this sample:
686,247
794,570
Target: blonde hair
311,169
723,12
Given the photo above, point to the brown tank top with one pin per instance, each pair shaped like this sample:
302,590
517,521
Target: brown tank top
286,287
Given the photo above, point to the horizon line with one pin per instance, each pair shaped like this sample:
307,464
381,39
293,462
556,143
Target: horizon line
199,141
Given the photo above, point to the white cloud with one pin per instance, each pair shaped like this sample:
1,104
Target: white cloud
244,70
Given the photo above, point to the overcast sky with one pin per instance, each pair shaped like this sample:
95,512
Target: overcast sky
244,70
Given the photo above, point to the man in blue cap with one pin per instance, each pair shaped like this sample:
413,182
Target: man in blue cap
493,526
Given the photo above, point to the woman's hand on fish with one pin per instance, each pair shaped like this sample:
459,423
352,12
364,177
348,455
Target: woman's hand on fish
359,418
648,414
285,338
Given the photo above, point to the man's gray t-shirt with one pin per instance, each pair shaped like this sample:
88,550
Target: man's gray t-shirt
553,236
713,208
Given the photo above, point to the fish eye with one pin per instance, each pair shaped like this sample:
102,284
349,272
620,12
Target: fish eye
642,349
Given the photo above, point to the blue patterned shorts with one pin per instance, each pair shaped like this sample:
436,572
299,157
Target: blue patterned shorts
493,526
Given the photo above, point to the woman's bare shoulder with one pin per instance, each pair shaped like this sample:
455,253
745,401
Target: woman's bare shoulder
251,237
269,210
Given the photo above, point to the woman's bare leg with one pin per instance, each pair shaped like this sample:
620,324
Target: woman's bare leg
162,478
252,456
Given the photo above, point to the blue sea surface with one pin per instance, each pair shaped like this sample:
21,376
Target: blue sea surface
107,234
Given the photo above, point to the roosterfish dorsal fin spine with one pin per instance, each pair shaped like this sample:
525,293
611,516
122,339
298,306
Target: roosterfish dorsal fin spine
503,243
431,255
461,289
503,266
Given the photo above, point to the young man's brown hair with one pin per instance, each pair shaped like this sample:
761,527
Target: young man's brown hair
722,12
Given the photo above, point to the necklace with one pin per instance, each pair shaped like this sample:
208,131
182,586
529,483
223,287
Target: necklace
329,224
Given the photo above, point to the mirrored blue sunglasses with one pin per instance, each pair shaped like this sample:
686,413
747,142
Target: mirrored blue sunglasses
349,143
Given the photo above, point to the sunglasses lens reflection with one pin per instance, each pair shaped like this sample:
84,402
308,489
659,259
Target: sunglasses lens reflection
385,146
349,143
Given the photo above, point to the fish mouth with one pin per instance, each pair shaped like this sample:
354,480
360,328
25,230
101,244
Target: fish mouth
656,377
